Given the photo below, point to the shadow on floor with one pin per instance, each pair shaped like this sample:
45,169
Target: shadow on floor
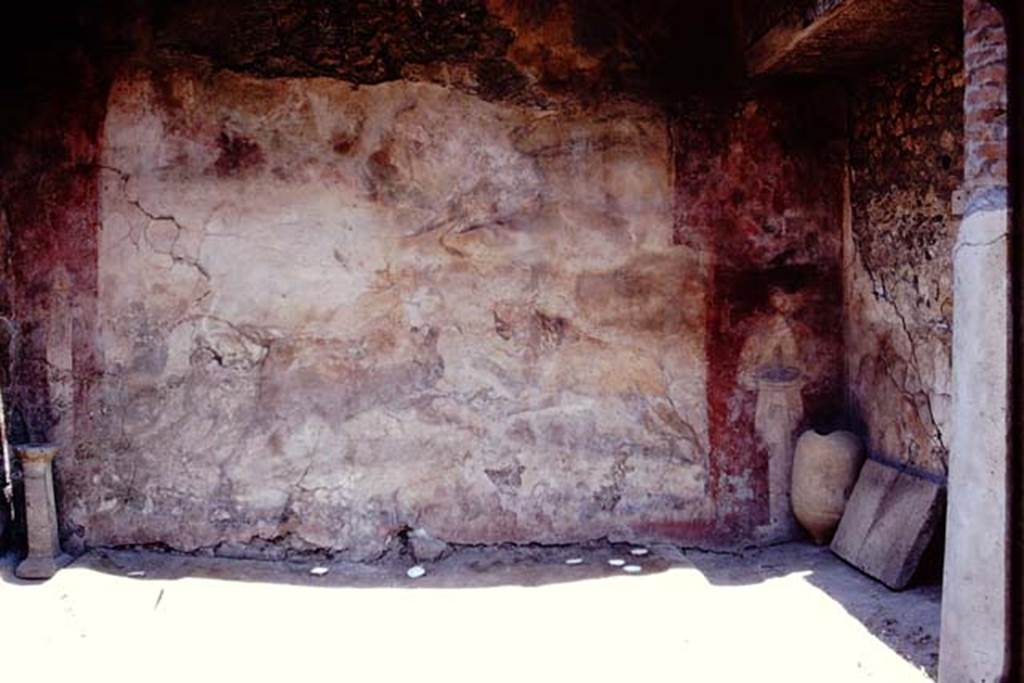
465,567
907,621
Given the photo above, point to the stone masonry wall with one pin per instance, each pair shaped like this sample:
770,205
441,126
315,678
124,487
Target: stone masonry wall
906,165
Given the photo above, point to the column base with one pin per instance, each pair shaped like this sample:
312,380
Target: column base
36,568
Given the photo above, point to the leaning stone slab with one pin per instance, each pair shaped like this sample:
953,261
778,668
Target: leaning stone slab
888,522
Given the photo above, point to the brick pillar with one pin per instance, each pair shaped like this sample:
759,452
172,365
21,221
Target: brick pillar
974,639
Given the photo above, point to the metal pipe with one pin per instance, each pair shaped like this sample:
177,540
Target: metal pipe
5,448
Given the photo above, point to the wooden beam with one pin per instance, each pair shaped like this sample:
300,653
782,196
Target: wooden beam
848,35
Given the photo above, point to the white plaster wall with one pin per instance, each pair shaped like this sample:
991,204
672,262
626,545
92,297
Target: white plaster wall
330,312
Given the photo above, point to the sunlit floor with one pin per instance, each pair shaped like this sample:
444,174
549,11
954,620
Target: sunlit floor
789,613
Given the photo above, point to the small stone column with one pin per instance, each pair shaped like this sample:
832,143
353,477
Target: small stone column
40,512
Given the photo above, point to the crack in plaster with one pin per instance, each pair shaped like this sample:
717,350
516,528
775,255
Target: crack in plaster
179,228
880,290
974,245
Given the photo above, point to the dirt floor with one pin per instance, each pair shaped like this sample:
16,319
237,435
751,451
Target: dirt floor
787,613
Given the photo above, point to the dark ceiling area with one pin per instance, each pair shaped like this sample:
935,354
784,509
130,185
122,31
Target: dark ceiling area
652,47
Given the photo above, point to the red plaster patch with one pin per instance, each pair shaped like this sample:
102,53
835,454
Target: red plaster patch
237,154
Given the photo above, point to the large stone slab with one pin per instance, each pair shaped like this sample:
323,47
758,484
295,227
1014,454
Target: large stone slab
888,523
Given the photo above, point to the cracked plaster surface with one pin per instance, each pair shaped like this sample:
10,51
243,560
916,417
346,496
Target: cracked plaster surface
906,165
328,315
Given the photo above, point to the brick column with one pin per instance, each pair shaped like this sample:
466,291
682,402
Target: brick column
974,640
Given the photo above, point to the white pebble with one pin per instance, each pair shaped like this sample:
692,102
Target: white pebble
574,560
415,572
137,573
639,552
616,562
633,568
319,571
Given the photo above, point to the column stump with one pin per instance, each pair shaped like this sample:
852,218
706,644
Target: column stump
40,512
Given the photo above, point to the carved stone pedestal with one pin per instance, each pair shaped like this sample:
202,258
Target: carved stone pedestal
40,512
